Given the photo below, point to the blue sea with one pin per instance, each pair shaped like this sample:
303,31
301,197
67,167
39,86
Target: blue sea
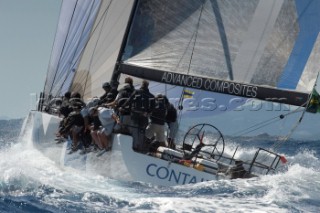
31,182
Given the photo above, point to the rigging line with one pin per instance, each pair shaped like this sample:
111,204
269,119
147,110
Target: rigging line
186,50
166,88
254,126
48,69
64,44
268,121
77,59
110,31
75,51
97,25
276,146
259,127
91,60
283,140
265,123
301,117
91,34
194,44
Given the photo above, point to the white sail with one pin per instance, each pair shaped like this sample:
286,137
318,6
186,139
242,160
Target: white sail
87,45
102,49
75,23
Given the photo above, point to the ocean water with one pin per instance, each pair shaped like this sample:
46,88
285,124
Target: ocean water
31,182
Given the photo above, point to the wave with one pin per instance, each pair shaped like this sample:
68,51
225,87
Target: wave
31,182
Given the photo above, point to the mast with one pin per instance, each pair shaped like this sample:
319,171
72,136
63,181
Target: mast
116,74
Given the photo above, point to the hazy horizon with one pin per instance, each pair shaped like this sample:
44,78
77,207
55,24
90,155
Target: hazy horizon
26,44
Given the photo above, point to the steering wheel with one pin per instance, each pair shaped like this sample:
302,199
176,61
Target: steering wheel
204,138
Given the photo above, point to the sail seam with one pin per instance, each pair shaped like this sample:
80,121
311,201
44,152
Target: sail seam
91,59
62,51
74,53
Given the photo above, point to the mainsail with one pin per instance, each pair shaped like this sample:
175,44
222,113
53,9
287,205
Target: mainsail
239,48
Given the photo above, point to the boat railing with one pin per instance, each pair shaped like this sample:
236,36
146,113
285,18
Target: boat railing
265,154
202,161
226,160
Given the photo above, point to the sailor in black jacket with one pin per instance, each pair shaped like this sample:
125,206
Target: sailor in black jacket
141,103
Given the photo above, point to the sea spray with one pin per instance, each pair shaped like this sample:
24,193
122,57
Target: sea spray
31,182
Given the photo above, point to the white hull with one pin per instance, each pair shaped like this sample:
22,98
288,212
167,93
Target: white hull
121,163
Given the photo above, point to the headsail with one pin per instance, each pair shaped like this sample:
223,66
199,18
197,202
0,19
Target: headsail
101,53
74,27
87,45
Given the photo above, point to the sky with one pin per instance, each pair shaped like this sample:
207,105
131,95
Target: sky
27,30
